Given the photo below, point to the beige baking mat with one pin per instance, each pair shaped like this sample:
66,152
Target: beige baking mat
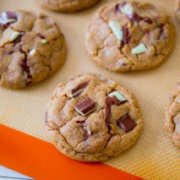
154,156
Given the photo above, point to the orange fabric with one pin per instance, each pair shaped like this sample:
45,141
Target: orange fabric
40,160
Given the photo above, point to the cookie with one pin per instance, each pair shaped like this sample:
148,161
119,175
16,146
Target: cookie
92,119
126,36
177,9
32,48
67,5
173,117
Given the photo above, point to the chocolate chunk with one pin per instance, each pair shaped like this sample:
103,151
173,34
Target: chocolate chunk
126,36
85,106
161,27
79,89
80,122
108,117
147,20
25,66
119,5
109,102
112,100
18,39
135,17
41,36
115,101
126,123
10,15
7,18
117,8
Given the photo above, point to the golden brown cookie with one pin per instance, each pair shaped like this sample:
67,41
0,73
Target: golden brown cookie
67,5
126,36
173,117
92,119
32,48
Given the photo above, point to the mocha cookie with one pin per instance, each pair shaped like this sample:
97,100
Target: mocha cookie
92,119
31,48
173,117
67,5
177,9
126,36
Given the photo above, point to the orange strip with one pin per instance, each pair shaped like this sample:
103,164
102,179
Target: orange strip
40,160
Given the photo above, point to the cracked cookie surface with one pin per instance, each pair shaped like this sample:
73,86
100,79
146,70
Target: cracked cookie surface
173,117
91,118
177,9
32,48
126,36
67,5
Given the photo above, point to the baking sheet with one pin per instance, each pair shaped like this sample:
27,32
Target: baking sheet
154,156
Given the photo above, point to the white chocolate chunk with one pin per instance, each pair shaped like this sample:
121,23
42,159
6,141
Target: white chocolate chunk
127,9
116,29
141,48
32,52
118,95
14,36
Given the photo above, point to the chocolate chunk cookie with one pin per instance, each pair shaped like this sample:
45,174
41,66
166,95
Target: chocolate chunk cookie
67,5
92,119
31,48
126,36
173,117
177,9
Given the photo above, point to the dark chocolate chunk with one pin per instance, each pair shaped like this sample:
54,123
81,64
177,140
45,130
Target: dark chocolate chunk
147,20
161,27
135,17
79,89
108,112
10,15
25,66
117,8
126,123
85,106
7,18
41,36
18,39
126,36
109,102
80,122
112,100
119,5
108,117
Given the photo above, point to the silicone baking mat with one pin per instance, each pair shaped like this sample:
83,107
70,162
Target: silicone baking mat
154,156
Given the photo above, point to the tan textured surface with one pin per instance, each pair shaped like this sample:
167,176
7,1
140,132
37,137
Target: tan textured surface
154,156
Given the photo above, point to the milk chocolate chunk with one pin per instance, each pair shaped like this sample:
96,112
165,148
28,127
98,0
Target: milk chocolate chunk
126,123
85,106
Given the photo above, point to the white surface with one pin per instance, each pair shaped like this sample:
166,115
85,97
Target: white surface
8,174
